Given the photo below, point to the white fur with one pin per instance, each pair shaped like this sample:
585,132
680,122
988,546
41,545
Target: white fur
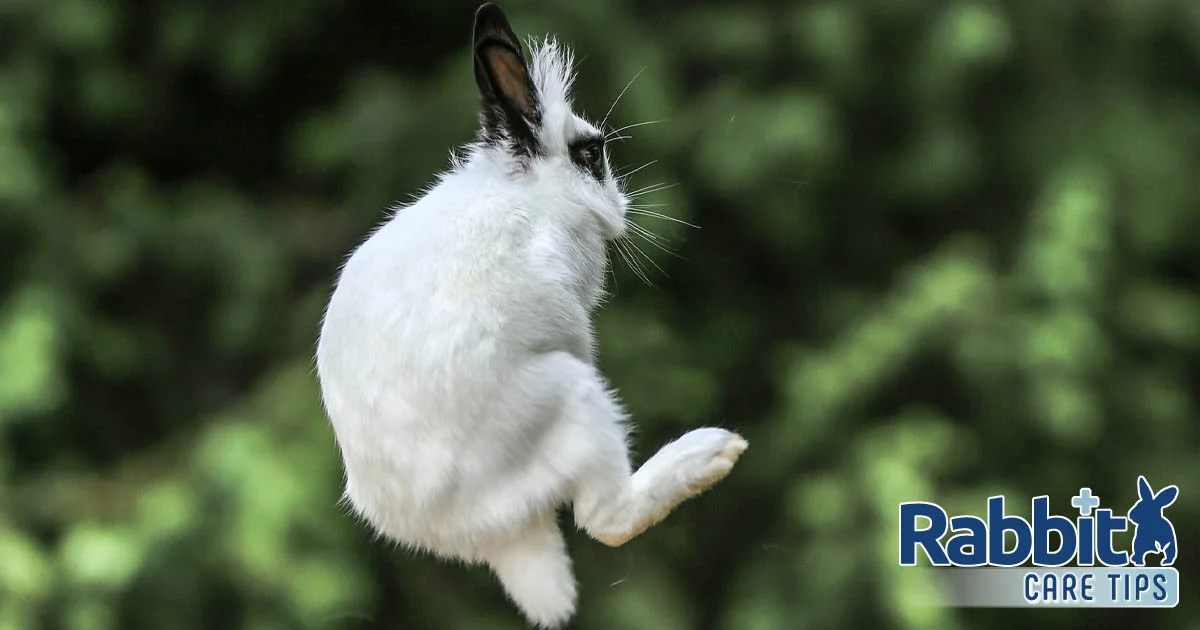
456,365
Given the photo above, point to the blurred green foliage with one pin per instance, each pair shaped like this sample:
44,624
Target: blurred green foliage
946,249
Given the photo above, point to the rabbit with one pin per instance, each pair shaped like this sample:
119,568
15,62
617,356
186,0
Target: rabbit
1153,533
456,356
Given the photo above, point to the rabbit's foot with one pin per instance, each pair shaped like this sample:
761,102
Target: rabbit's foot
536,573
694,462
677,472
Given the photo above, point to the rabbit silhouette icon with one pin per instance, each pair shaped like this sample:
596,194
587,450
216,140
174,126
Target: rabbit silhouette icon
1153,533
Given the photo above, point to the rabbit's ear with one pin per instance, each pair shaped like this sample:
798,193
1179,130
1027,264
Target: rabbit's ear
510,103
1166,496
1144,491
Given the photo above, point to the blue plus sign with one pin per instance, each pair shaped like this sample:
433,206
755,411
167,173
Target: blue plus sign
1085,502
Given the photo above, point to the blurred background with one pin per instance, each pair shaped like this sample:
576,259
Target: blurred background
943,250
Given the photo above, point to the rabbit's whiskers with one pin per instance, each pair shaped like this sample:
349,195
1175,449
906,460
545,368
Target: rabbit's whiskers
631,261
642,211
618,99
644,255
641,231
633,254
626,246
654,239
614,132
625,176
651,189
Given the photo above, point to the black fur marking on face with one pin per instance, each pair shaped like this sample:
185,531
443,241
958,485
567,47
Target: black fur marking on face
511,109
588,153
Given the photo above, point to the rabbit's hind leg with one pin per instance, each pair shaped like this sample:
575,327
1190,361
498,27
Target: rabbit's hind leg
535,569
612,503
677,472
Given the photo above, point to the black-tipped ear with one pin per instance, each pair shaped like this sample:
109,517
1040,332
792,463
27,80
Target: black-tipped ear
510,105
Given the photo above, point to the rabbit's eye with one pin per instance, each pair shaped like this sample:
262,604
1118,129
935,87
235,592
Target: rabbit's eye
591,155
588,154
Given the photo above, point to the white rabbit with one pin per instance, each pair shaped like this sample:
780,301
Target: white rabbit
456,353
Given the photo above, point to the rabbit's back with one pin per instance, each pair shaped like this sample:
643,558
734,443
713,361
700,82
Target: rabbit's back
430,361
458,287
